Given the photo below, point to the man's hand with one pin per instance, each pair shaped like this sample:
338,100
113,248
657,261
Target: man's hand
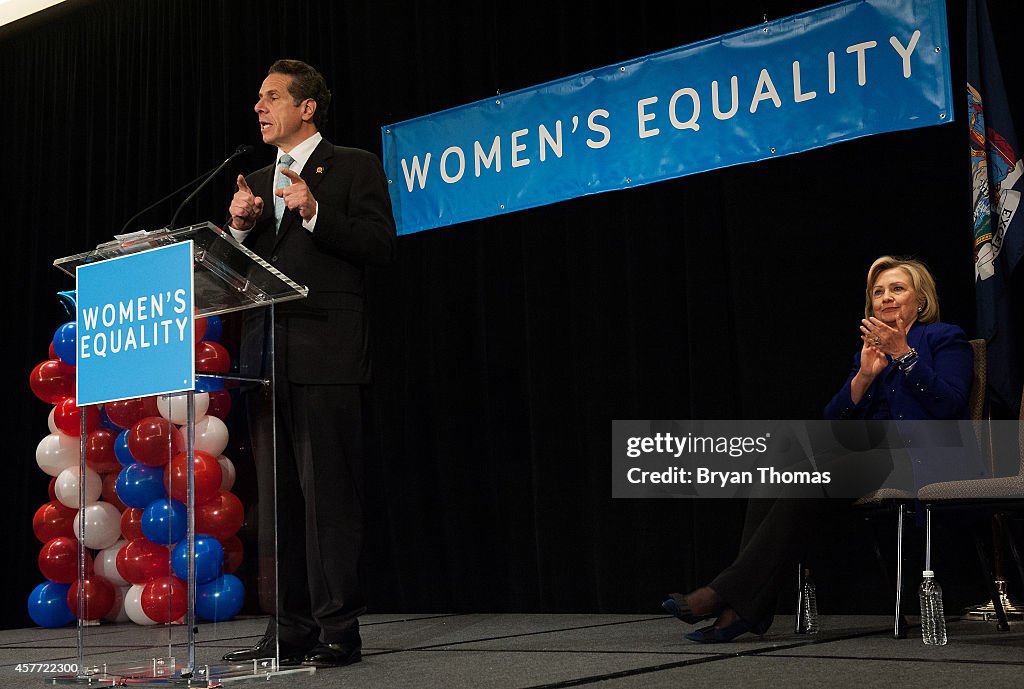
245,208
297,197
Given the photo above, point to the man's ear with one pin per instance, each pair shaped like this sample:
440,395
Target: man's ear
308,109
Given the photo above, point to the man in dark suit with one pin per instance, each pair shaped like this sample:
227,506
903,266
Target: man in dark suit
320,214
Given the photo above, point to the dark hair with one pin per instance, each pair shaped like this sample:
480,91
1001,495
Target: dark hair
306,83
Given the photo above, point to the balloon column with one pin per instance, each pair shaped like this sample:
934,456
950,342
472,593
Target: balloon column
135,493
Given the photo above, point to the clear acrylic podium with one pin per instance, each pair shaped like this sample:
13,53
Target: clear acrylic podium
227,277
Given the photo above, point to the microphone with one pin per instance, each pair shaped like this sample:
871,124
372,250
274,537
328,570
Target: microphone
243,150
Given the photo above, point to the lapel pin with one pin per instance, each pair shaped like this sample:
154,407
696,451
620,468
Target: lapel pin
320,170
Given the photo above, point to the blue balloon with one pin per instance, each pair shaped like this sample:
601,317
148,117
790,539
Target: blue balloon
48,605
138,485
208,384
220,599
209,559
164,521
124,455
65,342
214,329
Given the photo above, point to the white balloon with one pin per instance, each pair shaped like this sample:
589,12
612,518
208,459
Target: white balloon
227,473
105,562
57,452
174,408
66,487
50,422
211,435
117,612
133,606
102,525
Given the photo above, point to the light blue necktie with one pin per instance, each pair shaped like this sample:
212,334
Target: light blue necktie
280,183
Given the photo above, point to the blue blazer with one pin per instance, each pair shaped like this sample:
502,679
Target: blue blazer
937,388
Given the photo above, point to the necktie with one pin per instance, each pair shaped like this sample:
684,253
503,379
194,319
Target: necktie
280,182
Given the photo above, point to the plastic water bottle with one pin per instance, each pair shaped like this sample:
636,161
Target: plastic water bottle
933,620
809,606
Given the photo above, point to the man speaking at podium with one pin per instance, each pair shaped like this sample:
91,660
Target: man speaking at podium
319,214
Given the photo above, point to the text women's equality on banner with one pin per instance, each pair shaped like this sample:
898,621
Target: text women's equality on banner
852,69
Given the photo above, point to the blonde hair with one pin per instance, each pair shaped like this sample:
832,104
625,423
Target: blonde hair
920,279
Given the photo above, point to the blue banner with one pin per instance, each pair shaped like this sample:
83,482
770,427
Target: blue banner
845,71
135,325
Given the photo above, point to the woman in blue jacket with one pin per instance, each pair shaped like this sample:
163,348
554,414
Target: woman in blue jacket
910,367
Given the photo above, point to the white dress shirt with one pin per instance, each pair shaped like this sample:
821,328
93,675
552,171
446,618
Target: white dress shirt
300,154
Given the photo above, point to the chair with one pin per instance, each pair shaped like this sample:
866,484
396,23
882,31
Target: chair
993,495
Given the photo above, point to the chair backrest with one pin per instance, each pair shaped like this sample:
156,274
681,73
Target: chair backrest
976,399
976,403
1020,435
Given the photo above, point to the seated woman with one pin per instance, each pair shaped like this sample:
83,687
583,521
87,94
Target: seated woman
910,366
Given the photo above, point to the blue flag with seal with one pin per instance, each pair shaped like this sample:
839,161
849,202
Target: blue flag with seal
997,176
135,325
852,69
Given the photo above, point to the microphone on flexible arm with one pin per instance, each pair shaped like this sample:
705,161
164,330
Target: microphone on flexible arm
244,149
157,203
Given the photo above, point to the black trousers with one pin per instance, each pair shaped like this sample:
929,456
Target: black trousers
775,532
313,526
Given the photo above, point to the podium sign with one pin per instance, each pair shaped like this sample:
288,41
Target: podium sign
135,325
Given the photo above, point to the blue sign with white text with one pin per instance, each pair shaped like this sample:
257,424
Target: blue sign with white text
852,69
135,325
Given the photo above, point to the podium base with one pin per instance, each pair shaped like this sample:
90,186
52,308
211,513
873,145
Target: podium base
166,672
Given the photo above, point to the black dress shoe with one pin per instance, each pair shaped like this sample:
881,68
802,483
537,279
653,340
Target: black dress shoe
290,654
334,655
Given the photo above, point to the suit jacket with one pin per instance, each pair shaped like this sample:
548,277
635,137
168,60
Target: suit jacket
938,387
326,335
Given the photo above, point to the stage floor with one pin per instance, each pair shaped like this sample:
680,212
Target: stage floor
552,651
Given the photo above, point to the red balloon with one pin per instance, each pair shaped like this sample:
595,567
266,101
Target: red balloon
51,489
58,560
221,517
212,357
131,523
99,597
220,404
52,353
127,413
154,439
99,451
51,382
66,418
165,599
207,477
52,520
140,561
109,492
234,554
200,328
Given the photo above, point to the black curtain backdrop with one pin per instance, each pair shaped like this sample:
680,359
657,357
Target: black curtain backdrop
504,347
